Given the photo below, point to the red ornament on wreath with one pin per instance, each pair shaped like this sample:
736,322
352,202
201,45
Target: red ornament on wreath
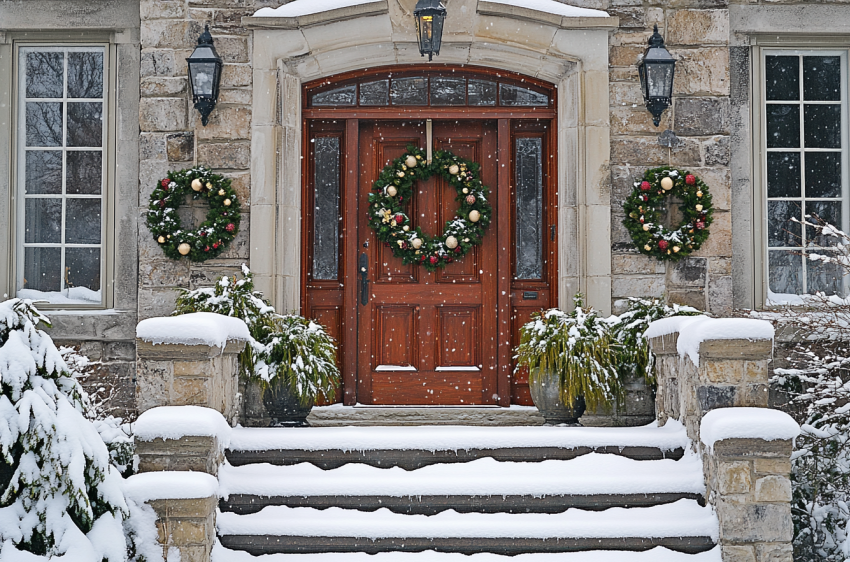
649,201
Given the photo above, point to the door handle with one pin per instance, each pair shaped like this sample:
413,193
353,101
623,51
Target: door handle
364,279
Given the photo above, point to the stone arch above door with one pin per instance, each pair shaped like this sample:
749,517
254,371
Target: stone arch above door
570,52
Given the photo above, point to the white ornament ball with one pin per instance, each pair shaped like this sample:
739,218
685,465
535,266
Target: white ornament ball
227,202
184,249
698,208
405,228
400,174
453,169
451,242
392,191
474,216
410,161
646,227
465,190
666,184
417,243
676,249
161,239
197,185
221,192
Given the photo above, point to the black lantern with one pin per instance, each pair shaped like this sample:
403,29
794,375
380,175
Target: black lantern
656,76
204,75
429,15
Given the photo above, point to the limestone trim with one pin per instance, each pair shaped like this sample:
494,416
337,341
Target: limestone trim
564,22
575,60
370,8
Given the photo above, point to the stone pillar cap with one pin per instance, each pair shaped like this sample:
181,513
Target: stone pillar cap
170,485
198,328
747,423
694,330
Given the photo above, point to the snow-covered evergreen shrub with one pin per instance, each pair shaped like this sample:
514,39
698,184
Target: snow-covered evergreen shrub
579,346
59,492
288,346
634,359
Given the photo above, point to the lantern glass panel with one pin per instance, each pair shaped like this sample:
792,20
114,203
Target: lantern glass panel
659,80
203,78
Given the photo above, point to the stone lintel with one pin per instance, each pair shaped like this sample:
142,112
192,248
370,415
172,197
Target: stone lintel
185,352
360,10
736,349
665,345
746,449
564,22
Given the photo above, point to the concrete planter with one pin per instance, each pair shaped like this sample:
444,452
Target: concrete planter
546,394
283,405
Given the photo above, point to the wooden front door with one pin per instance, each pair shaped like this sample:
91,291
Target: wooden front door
428,337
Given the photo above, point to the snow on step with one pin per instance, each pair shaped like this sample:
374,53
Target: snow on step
454,438
684,518
589,474
658,554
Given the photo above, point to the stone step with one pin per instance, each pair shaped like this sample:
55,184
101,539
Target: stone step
593,481
683,526
414,447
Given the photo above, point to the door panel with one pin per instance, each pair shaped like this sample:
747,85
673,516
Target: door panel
428,337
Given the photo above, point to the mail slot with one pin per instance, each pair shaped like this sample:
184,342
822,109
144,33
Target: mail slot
529,295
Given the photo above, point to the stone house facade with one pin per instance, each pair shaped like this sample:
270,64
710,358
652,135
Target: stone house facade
723,125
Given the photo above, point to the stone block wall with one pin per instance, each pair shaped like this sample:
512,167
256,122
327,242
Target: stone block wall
187,526
173,138
195,453
697,33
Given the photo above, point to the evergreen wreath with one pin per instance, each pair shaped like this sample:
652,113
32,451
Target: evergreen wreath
648,201
213,235
393,227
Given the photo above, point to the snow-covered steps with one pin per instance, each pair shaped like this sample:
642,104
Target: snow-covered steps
414,447
593,481
657,554
683,526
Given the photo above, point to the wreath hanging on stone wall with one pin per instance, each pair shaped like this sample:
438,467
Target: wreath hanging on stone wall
394,189
212,236
648,201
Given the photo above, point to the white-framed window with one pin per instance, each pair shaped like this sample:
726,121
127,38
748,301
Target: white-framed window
61,156
804,167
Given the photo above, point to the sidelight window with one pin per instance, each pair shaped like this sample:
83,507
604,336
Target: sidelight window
61,139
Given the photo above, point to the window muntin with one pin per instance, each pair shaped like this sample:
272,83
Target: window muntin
805,165
61,174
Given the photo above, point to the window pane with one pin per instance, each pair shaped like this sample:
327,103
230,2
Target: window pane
82,221
45,74
782,75
482,92
822,78
409,91
83,175
42,267
781,230
448,91
824,277
82,269
339,96
823,174
43,220
516,96
785,273
529,208
783,126
85,124
820,212
375,93
326,212
43,172
85,75
783,174
823,126
44,123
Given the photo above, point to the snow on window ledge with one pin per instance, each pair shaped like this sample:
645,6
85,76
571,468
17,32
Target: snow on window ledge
746,423
199,328
72,295
175,422
693,330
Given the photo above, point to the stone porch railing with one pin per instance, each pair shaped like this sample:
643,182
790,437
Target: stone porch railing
713,377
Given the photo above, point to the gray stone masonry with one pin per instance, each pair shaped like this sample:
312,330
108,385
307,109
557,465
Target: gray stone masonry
747,480
186,525
196,453
189,375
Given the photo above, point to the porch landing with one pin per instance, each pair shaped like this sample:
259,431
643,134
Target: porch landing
338,415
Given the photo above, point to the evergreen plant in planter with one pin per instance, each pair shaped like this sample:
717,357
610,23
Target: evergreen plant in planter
292,358
570,361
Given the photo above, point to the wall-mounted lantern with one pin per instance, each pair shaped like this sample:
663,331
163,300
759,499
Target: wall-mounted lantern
429,16
204,75
656,69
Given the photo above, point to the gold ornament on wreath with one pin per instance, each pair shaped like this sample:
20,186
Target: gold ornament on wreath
211,237
394,189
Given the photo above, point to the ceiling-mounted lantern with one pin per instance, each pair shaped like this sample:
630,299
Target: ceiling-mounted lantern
656,69
429,16
204,75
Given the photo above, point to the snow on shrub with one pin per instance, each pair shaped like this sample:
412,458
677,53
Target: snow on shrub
60,494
